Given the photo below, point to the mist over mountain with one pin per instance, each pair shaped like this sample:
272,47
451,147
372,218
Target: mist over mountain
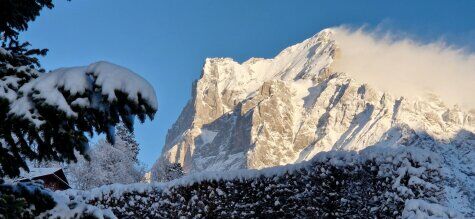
405,67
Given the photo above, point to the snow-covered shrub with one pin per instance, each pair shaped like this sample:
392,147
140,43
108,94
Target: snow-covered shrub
375,183
31,200
17,200
416,208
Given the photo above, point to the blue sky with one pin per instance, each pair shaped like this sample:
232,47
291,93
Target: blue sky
167,41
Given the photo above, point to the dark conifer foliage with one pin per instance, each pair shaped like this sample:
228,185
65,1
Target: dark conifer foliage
33,200
44,131
127,135
16,201
15,15
170,172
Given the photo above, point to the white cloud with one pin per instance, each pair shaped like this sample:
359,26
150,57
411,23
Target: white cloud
404,67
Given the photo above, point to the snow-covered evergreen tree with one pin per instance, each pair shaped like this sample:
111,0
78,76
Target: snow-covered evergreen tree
45,116
165,172
109,164
128,137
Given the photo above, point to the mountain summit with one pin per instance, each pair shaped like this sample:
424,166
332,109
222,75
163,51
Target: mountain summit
269,112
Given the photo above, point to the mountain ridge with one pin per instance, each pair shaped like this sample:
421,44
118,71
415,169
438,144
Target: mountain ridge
269,112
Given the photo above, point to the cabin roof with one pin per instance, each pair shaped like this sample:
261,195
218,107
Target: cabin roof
37,173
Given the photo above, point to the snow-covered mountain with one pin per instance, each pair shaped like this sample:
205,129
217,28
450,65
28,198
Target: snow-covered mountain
269,112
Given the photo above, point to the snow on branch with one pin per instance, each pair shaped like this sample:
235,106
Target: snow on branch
47,115
71,90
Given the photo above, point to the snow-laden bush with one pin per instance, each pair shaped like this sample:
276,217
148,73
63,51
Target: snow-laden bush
109,164
375,183
32,200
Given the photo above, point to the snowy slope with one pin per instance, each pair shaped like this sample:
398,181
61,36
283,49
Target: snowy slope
269,112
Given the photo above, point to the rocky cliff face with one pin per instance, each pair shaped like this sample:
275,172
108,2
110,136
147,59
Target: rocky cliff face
268,112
